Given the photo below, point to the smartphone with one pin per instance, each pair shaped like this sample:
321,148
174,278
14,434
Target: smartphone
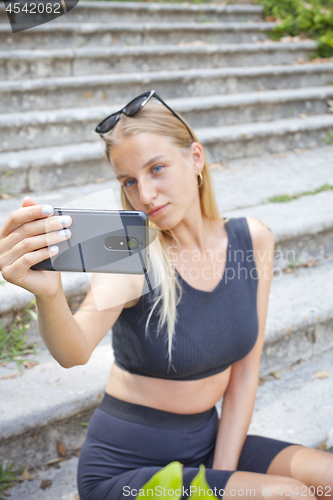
102,241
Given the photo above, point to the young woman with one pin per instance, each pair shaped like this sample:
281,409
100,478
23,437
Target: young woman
196,337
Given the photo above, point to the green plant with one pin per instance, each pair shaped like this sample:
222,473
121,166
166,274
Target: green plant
200,487
12,343
9,172
294,263
310,18
8,477
169,482
283,198
170,478
328,139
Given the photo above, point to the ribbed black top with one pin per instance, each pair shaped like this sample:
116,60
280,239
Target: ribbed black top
213,329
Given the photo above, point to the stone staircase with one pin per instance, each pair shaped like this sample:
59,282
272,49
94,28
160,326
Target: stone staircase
261,110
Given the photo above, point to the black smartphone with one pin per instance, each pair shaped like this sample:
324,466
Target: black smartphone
102,241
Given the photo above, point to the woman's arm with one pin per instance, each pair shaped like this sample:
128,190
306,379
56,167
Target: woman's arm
70,338
239,398
237,409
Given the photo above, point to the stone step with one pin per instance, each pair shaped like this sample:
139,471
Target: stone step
14,299
66,165
302,228
20,64
254,139
250,107
134,12
59,401
55,127
71,35
62,487
281,411
99,90
48,402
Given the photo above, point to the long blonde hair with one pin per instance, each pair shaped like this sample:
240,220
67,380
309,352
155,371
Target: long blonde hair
157,119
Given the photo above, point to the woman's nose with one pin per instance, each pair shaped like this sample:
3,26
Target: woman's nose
147,192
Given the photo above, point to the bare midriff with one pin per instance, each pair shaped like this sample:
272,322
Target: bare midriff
177,396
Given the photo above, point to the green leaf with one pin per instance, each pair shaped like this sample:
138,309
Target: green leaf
33,314
13,343
170,478
311,18
8,476
199,488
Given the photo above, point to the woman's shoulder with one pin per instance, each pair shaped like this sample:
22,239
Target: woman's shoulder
262,242
255,234
261,233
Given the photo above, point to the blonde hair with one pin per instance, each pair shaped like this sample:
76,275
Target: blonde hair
156,118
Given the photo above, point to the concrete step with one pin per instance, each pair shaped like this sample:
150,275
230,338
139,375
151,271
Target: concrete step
134,12
62,481
302,228
59,401
282,411
254,139
99,90
48,402
66,165
55,127
250,107
72,35
20,64
14,299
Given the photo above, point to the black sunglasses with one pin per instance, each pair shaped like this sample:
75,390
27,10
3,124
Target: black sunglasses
131,109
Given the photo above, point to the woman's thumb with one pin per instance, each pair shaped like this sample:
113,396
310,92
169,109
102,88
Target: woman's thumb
28,201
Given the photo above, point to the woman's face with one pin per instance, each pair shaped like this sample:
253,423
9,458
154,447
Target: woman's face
157,173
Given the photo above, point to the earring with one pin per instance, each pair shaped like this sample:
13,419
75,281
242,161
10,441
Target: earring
201,180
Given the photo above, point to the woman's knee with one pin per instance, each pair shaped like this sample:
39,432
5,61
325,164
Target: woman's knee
263,486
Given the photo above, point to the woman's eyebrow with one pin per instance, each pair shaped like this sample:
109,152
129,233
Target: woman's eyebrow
149,162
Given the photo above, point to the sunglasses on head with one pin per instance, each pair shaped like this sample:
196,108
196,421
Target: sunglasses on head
131,109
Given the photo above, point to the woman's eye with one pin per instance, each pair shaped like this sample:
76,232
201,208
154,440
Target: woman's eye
157,166
127,183
155,170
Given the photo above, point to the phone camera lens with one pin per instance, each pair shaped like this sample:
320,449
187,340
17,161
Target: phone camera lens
109,243
132,243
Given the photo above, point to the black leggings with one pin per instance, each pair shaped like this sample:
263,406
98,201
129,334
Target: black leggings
127,443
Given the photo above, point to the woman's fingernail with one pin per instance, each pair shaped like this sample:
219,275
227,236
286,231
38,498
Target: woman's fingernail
65,219
64,233
54,249
47,209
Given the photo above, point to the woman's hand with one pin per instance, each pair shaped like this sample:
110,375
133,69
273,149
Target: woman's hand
22,240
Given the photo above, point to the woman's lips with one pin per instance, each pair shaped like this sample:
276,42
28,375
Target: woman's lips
158,211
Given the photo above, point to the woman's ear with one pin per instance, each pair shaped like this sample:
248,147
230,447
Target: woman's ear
198,157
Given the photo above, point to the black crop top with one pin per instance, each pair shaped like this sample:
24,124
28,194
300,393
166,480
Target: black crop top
213,329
